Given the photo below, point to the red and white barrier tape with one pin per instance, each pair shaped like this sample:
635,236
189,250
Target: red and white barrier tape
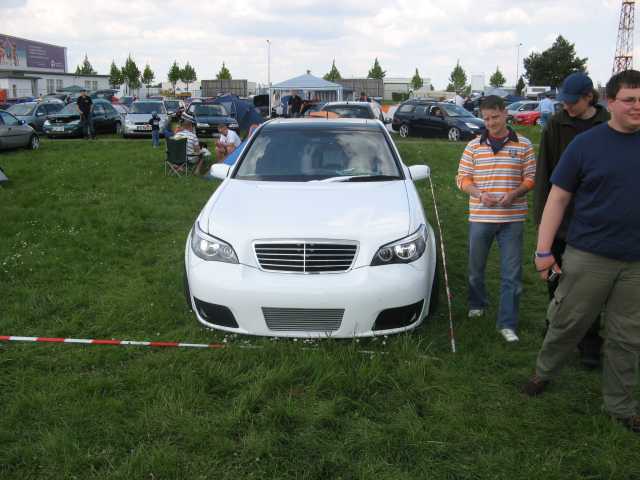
444,268
9,338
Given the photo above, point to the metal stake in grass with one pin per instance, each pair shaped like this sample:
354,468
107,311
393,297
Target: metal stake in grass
444,268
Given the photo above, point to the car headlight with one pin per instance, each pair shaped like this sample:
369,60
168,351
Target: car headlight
211,248
129,123
472,125
405,250
202,125
74,122
234,125
47,123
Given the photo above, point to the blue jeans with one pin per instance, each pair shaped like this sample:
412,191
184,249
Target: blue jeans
544,118
87,125
155,138
509,238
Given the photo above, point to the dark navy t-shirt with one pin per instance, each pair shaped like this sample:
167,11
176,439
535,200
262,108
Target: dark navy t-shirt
601,167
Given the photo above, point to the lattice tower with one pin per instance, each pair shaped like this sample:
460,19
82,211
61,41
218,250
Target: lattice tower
623,59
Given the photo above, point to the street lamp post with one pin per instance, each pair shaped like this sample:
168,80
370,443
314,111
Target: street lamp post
269,73
518,64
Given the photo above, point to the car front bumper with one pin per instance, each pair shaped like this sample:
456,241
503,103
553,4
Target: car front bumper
64,130
366,294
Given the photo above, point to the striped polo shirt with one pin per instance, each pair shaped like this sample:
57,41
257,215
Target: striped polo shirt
497,174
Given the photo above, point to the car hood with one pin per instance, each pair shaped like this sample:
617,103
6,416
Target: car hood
373,213
214,119
473,120
70,116
143,117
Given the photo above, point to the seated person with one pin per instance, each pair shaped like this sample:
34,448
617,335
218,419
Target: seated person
194,155
227,143
233,156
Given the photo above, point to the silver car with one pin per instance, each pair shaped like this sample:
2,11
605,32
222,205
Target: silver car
137,122
34,113
16,133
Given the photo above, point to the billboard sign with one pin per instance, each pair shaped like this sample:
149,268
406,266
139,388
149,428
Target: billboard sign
20,54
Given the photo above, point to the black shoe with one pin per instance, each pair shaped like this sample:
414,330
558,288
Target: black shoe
535,386
632,423
590,360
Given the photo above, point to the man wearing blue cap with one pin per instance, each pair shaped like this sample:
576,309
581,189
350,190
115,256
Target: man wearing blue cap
601,264
580,113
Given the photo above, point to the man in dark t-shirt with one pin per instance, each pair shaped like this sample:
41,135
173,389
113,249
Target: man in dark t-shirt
601,264
85,105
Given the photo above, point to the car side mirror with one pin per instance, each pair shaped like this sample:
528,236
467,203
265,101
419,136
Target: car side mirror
220,170
419,172
22,122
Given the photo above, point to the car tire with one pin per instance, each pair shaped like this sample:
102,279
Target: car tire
34,142
187,290
118,128
454,134
404,130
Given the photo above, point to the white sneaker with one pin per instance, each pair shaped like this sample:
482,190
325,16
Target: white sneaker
475,313
509,335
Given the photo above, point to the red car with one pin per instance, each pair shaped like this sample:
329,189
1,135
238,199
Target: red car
532,117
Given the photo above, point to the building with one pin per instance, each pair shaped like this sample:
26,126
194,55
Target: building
29,69
401,86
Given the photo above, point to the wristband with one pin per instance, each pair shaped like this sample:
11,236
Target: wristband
543,254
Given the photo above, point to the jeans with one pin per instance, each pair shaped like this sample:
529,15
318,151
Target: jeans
155,138
509,238
87,125
544,118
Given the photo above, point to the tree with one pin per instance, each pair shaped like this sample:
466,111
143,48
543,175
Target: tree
115,76
552,66
416,81
131,74
458,80
497,80
188,75
333,74
147,77
174,75
376,71
520,86
85,68
224,73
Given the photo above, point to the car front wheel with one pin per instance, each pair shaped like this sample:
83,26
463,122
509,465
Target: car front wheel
34,142
404,130
454,134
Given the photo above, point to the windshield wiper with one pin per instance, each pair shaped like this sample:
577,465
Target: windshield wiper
359,178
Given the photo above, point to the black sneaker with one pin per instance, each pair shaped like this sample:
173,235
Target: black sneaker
535,386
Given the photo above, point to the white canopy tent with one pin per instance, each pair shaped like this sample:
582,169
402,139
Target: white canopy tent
308,83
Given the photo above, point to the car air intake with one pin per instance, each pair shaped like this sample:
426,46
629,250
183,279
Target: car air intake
303,319
216,314
305,257
398,317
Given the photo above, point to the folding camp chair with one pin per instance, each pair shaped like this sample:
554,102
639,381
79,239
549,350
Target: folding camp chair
176,161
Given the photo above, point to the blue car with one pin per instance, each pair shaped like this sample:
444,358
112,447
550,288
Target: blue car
208,116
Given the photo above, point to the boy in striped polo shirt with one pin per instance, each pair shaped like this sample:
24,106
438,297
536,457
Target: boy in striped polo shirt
497,170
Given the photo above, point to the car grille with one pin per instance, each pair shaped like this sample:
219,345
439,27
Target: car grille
305,257
303,319
61,121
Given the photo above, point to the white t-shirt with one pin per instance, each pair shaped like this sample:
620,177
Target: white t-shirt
459,101
230,138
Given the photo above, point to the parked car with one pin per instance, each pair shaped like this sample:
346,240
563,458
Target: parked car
63,97
172,105
15,133
520,107
208,116
137,121
107,94
127,101
422,117
34,114
292,243
369,110
532,117
66,122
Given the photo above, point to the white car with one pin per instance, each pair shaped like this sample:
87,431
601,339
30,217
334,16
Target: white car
316,231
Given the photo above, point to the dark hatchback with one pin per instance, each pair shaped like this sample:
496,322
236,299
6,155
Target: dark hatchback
66,123
436,119
208,116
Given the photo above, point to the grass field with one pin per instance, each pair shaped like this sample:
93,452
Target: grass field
91,246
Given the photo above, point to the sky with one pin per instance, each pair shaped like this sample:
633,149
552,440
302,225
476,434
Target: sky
430,35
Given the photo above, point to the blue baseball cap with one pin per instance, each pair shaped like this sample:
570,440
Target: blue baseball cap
575,86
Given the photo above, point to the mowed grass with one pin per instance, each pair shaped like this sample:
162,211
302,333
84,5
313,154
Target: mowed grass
91,246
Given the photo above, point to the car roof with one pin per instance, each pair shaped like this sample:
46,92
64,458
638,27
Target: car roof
146,101
346,102
322,124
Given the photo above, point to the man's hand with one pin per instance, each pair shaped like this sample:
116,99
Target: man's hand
487,199
545,265
507,199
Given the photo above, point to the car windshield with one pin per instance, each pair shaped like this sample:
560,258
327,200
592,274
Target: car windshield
514,106
455,111
210,110
21,109
147,107
306,154
349,111
70,109
172,104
